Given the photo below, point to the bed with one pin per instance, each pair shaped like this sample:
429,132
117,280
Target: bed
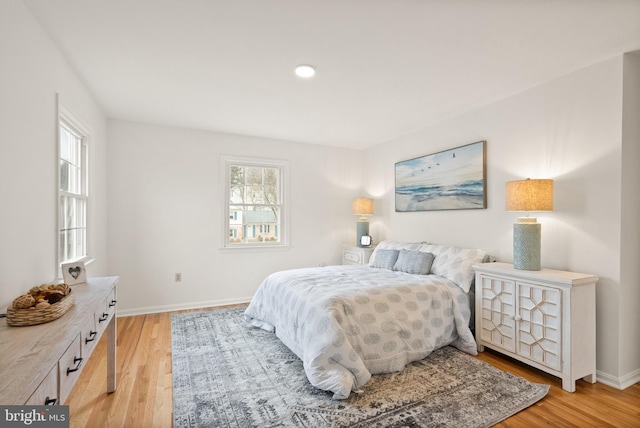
348,322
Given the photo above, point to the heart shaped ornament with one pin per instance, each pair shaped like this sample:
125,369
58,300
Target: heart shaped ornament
75,271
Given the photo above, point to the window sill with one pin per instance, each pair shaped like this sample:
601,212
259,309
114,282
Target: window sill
254,248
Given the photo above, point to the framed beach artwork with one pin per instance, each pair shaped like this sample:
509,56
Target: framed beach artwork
454,179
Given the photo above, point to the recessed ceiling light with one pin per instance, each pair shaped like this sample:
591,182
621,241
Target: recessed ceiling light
305,71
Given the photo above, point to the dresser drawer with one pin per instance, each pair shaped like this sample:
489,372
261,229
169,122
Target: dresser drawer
47,392
69,367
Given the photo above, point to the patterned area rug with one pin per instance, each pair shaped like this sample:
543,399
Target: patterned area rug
226,374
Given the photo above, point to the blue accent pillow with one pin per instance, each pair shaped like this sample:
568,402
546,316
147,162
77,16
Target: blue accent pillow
414,262
385,259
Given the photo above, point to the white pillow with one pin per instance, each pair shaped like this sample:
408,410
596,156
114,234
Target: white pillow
455,264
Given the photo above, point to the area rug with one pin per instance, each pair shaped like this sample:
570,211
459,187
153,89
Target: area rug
227,374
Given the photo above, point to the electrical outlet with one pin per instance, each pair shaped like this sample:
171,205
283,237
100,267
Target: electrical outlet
178,277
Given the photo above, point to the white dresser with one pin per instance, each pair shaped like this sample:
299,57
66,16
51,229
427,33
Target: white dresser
41,363
545,318
353,255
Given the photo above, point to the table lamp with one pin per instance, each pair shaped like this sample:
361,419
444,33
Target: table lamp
528,195
362,207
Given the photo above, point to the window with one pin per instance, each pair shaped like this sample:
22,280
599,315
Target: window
255,207
72,191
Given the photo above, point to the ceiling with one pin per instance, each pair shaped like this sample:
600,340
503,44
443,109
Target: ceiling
385,68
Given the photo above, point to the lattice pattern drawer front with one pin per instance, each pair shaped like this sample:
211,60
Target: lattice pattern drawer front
498,310
540,324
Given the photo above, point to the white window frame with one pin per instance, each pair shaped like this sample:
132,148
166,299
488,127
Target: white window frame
68,120
226,162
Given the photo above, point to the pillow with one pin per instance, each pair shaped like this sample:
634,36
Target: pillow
455,264
385,259
415,262
395,245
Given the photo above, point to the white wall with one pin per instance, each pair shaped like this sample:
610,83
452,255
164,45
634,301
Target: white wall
630,236
165,214
569,130
32,72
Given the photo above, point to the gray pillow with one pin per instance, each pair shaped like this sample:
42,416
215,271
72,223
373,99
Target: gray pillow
414,262
385,259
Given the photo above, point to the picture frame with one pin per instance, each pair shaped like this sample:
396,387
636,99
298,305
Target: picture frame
74,273
453,179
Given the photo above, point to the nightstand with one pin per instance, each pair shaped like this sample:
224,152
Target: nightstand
545,318
352,255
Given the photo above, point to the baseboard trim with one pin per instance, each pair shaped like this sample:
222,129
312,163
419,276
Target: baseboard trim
181,306
620,383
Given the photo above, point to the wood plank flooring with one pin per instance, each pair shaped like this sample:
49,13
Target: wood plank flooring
144,396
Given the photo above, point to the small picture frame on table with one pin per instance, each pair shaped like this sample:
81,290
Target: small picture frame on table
74,273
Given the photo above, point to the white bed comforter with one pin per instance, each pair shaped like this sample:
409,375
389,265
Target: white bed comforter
348,322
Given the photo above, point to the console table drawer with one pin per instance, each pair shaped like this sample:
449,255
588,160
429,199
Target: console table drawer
69,367
111,302
47,392
102,318
89,336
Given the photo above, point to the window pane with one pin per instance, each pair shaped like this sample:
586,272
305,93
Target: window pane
73,234
271,185
80,212
236,184
260,224
235,225
64,143
63,245
254,195
75,180
64,176
70,178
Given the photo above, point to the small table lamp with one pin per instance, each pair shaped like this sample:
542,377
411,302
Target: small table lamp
528,195
362,207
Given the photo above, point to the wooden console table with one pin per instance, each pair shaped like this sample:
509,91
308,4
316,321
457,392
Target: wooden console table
41,363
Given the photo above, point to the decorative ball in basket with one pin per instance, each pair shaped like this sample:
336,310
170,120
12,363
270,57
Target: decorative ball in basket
41,304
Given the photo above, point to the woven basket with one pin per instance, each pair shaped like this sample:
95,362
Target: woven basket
24,317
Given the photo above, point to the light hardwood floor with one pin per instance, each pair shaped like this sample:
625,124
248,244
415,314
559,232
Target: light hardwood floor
144,396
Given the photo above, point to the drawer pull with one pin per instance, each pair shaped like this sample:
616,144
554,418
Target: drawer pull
103,317
91,338
77,361
50,401
112,303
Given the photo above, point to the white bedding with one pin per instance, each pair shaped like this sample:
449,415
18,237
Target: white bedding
348,322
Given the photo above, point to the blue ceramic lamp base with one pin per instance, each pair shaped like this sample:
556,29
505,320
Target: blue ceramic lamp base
363,229
526,244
